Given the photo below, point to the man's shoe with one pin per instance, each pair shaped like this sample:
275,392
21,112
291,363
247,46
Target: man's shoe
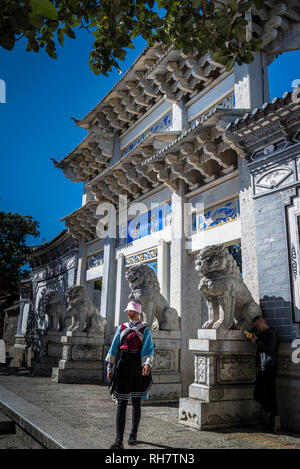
117,445
132,439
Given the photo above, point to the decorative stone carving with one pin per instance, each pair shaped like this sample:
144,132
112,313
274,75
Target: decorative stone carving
273,179
85,316
229,301
236,369
143,256
188,417
164,360
86,352
145,288
288,195
54,268
56,310
200,363
222,392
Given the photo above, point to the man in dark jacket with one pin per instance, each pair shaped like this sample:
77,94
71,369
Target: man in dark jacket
266,361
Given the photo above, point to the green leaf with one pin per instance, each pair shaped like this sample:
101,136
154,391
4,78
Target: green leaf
259,4
44,8
36,21
233,5
69,32
73,5
7,39
247,57
221,58
21,18
61,36
239,32
163,3
229,65
196,3
51,52
244,7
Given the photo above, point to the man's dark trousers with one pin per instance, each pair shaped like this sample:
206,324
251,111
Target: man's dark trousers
265,391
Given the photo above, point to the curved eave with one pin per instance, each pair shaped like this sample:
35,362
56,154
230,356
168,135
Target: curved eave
85,121
258,116
60,238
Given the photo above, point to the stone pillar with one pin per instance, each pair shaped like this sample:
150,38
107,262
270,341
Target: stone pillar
163,268
108,287
122,292
251,91
224,374
86,195
52,348
166,376
184,296
251,87
17,352
248,230
81,266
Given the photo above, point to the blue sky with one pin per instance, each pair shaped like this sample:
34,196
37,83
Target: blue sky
35,125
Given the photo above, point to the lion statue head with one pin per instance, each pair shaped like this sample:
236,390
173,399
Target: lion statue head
52,297
216,258
75,294
141,276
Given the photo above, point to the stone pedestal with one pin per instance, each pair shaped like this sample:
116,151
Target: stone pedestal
17,352
166,385
82,359
52,349
222,392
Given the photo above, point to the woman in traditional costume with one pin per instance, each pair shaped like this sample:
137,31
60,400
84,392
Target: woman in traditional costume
130,360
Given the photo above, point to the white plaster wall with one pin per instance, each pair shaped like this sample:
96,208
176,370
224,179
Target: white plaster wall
94,246
24,318
157,198
220,91
217,194
153,117
225,233
230,231
142,244
94,273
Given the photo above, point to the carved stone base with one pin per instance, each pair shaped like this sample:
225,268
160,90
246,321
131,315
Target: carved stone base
52,349
17,353
212,415
222,392
82,359
166,385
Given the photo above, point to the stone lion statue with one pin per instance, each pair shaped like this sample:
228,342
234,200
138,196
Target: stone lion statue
145,289
85,316
56,310
230,303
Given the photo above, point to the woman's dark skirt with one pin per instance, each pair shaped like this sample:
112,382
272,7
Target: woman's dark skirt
127,380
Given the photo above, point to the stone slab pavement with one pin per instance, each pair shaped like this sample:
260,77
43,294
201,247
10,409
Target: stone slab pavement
88,411
11,442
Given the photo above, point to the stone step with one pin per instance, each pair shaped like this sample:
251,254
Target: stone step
7,425
42,427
